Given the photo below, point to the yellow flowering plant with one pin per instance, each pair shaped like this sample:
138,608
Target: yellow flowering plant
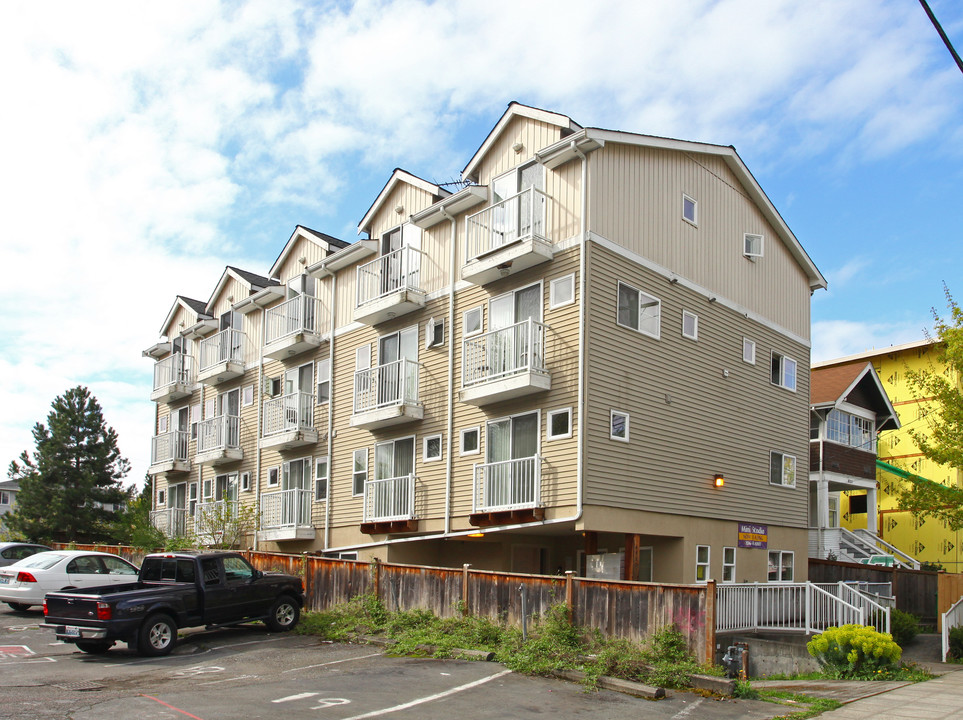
855,651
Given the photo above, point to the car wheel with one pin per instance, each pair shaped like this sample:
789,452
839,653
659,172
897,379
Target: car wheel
94,648
284,614
157,635
19,607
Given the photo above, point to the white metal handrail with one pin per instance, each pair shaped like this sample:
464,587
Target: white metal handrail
225,346
169,446
951,618
502,353
874,612
878,543
223,431
211,516
287,413
286,509
394,272
507,484
516,218
801,607
172,521
300,314
172,370
389,499
388,385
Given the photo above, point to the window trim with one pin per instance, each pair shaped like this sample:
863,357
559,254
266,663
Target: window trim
461,443
695,319
323,459
356,473
246,391
320,380
480,309
245,485
751,345
707,564
424,448
780,554
276,472
612,436
745,245
549,414
552,303
729,566
695,210
161,496
618,292
782,465
431,328
782,371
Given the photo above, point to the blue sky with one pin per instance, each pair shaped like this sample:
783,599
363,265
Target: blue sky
146,145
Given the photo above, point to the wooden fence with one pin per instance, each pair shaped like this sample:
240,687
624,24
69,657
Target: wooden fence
915,590
950,590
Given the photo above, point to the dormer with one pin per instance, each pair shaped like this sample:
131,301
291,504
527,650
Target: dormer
175,369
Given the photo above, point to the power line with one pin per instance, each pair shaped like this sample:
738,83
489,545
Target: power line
939,29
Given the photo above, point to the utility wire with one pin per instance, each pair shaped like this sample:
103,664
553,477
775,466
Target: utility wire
939,29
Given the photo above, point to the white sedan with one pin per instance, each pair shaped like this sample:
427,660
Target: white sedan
26,582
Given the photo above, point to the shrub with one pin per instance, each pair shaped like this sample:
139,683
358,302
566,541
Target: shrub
956,642
903,626
855,651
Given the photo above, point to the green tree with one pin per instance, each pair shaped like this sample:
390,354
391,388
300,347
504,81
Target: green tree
71,482
134,526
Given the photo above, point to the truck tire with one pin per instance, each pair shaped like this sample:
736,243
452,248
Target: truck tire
157,636
284,614
19,607
94,648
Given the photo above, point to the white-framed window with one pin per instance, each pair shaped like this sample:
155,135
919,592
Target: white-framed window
273,386
728,564
245,482
752,245
469,441
690,325
431,448
619,425
848,429
783,371
559,424
247,395
192,499
195,418
472,320
209,408
780,566
4,497
561,292
690,210
324,381
274,476
435,332
782,469
208,488
359,471
321,479
702,563
296,475
163,422
161,497
638,311
748,351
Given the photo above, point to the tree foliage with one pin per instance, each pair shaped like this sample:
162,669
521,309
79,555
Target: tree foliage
71,482
134,526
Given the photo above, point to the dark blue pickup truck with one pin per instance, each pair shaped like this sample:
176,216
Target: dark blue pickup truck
174,590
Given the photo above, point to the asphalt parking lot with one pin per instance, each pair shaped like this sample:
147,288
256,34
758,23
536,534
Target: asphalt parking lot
247,672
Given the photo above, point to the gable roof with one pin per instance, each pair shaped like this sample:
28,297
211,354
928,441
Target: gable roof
831,386
398,176
253,281
326,242
198,307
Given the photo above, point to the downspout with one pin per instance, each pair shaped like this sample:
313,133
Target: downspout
451,366
330,433
583,289
260,412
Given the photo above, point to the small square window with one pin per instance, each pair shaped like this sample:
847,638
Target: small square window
359,471
728,564
690,325
702,563
748,351
780,566
469,441
619,425
246,480
247,395
782,469
638,311
161,497
162,424
752,245
690,209
561,292
273,476
472,321
560,424
435,333
321,479
783,371
431,450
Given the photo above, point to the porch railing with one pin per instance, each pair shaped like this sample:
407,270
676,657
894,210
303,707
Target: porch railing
172,521
395,383
802,607
502,353
297,315
169,446
508,484
175,369
389,499
951,618
225,346
211,517
516,218
397,271
219,432
876,609
286,509
287,413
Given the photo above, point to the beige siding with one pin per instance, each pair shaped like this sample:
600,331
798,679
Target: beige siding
292,265
181,319
410,198
500,158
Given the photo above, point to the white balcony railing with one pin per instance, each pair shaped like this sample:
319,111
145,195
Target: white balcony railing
508,485
516,218
502,353
172,521
395,272
169,446
801,607
286,509
389,499
225,346
288,413
394,383
301,314
177,369
212,517
219,432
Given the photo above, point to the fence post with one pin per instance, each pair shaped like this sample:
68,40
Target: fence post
808,606
710,622
376,571
570,595
465,609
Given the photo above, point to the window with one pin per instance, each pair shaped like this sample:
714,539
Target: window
639,311
209,408
752,245
560,424
690,210
469,441
162,424
690,325
161,497
4,497
359,473
273,386
208,489
195,418
431,450
848,429
561,292
324,380
748,351
780,566
783,371
247,395
619,425
320,479
782,469
472,321
192,499
296,475
728,564
702,563
435,333
274,475
245,482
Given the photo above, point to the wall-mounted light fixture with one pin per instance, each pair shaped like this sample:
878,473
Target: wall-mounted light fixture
518,147
399,209
475,535
719,480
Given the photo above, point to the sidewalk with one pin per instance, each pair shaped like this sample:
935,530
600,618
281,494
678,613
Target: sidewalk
934,699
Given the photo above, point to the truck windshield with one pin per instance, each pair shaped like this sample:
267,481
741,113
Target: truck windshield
168,570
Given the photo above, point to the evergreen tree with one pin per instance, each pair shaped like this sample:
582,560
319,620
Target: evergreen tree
71,482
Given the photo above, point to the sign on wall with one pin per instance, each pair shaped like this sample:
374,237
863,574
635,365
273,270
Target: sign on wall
753,536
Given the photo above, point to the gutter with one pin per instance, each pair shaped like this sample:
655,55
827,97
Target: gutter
451,366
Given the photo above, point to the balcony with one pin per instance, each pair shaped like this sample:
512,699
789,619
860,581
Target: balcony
507,492
172,522
213,517
286,515
508,237
389,286
288,421
173,378
168,453
504,364
387,395
221,357
389,505
219,440
293,327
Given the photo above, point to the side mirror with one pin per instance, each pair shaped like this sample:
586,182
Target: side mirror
258,574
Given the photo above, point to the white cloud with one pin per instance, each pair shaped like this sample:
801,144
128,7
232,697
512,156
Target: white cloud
840,338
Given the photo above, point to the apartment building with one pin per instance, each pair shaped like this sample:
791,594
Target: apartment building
594,355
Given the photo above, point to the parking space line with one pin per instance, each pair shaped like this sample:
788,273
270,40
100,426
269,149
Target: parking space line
175,709
430,698
299,696
333,662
